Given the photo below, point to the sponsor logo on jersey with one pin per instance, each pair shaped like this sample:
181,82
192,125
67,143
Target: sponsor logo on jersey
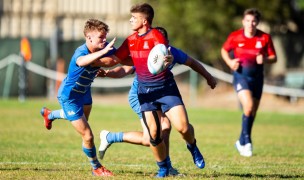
241,44
258,44
146,45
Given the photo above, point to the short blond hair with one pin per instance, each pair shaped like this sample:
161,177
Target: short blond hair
95,24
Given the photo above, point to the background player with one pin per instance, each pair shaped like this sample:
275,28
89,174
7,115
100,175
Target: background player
252,48
74,94
159,93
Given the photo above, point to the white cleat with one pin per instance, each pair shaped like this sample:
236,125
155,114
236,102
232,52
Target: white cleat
247,151
244,150
104,144
239,147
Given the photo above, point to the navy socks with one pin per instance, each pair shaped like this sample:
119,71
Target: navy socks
247,122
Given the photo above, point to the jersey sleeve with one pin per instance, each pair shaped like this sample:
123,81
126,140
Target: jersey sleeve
179,56
123,51
228,44
80,51
158,37
270,47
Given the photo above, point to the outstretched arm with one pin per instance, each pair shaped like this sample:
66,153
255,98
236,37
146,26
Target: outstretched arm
199,68
108,61
92,57
117,72
111,61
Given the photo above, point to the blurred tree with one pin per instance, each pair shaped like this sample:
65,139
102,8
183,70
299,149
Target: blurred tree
201,26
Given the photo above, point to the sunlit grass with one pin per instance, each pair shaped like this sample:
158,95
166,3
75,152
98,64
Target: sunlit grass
29,151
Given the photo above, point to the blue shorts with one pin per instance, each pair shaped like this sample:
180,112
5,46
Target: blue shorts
73,107
162,97
133,100
254,85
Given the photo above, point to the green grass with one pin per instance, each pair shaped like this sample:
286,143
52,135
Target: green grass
29,151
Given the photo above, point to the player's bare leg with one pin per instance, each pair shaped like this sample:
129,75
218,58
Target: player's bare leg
152,121
179,119
244,144
82,127
87,111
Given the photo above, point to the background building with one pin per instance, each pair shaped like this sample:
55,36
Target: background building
41,18
54,29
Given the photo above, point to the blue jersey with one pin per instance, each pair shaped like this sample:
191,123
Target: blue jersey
179,57
79,79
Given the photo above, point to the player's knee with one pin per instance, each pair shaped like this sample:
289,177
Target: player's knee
248,112
183,129
156,141
88,138
166,127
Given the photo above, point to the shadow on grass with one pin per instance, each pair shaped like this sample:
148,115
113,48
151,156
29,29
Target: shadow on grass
39,169
249,175
151,174
283,176
215,175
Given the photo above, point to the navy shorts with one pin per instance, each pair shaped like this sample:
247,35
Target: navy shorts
162,97
253,84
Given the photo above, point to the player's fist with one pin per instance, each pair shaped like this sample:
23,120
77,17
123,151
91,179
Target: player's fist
211,81
102,73
234,64
260,59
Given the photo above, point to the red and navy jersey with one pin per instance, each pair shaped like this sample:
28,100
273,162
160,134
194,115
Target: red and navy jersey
246,49
139,47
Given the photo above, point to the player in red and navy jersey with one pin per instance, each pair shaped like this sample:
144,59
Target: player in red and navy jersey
138,46
142,138
157,94
251,48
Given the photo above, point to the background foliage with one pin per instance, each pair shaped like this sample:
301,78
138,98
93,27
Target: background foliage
200,27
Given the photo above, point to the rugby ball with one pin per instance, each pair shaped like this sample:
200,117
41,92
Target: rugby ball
156,59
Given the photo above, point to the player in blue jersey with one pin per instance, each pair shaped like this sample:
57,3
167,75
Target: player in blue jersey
74,94
142,138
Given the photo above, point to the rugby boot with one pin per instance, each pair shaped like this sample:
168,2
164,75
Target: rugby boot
45,113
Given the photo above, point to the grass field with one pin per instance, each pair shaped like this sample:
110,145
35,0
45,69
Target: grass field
29,151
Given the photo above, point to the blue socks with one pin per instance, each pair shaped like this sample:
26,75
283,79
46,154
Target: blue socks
164,163
247,122
115,137
169,165
91,154
57,114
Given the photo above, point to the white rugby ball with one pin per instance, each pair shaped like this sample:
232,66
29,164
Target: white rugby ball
156,59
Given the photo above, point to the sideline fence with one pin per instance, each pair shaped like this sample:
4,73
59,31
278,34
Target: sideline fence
126,82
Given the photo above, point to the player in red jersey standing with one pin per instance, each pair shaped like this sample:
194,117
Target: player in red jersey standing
157,93
252,48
